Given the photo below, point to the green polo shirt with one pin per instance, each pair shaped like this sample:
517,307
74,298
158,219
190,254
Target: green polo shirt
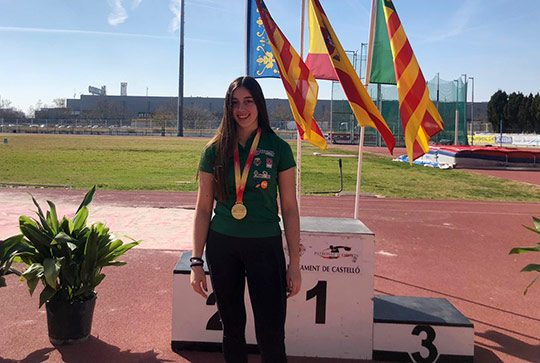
273,156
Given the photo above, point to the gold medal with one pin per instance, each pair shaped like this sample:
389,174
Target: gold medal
239,211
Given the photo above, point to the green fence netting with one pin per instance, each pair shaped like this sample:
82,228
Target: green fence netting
448,96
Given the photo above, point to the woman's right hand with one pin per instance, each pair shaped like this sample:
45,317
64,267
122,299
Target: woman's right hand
198,281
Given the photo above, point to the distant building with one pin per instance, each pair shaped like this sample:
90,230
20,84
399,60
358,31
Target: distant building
56,113
138,107
10,115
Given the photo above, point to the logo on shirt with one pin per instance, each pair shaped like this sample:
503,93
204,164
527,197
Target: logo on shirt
269,162
257,161
261,175
264,152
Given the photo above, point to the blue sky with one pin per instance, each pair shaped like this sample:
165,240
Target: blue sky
57,48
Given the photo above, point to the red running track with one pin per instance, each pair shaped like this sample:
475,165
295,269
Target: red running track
452,249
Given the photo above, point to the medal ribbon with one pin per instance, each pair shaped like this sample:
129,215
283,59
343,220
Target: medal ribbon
241,179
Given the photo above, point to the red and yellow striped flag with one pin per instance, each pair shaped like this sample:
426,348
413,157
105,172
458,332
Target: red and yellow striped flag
362,105
419,116
318,60
301,87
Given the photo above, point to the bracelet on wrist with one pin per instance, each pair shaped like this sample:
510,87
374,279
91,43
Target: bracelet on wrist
196,261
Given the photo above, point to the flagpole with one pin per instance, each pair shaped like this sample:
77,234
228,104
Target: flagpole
246,41
363,129
298,138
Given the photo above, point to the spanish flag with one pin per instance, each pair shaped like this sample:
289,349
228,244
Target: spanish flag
364,109
301,87
419,116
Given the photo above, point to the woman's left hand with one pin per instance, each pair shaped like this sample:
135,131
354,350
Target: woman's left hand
294,280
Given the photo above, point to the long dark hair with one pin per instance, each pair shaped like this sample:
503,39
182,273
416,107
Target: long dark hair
225,139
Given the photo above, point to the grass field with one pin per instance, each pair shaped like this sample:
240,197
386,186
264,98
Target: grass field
169,163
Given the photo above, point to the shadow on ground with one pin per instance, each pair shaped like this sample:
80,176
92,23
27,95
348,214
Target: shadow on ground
95,349
509,345
40,355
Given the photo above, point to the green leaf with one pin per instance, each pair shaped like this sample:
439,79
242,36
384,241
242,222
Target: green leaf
90,255
85,290
32,276
7,246
518,250
117,252
51,269
42,217
87,199
531,267
109,248
531,229
537,224
35,270
79,222
47,293
116,263
528,286
68,273
52,219
97,280
27,221
66,225
36,237
64,238
32,283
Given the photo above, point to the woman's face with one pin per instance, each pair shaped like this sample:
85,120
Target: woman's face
244,109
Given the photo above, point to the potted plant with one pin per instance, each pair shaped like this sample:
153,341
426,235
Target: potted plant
67,256
9,250
532,266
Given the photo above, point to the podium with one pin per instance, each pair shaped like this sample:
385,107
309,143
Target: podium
333,314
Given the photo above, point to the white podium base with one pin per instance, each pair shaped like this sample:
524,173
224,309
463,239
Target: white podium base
416,329
331,317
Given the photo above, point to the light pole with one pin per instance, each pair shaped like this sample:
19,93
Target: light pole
180,117
456,126
465,85
472,110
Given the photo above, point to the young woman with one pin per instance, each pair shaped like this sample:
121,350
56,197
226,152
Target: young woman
242,168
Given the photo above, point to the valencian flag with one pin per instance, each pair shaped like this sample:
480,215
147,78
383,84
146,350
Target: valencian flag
361,103
318,60
393,62
301,87
260,61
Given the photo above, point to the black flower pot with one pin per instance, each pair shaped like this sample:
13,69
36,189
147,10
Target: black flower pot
69,322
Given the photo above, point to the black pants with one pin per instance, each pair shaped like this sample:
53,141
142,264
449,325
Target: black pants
262,261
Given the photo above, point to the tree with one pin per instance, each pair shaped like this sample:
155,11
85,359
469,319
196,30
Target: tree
496,106
525,114
281,113
165,116
536,112
59,102
105,110
511,110
196,117
5,103
31,112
